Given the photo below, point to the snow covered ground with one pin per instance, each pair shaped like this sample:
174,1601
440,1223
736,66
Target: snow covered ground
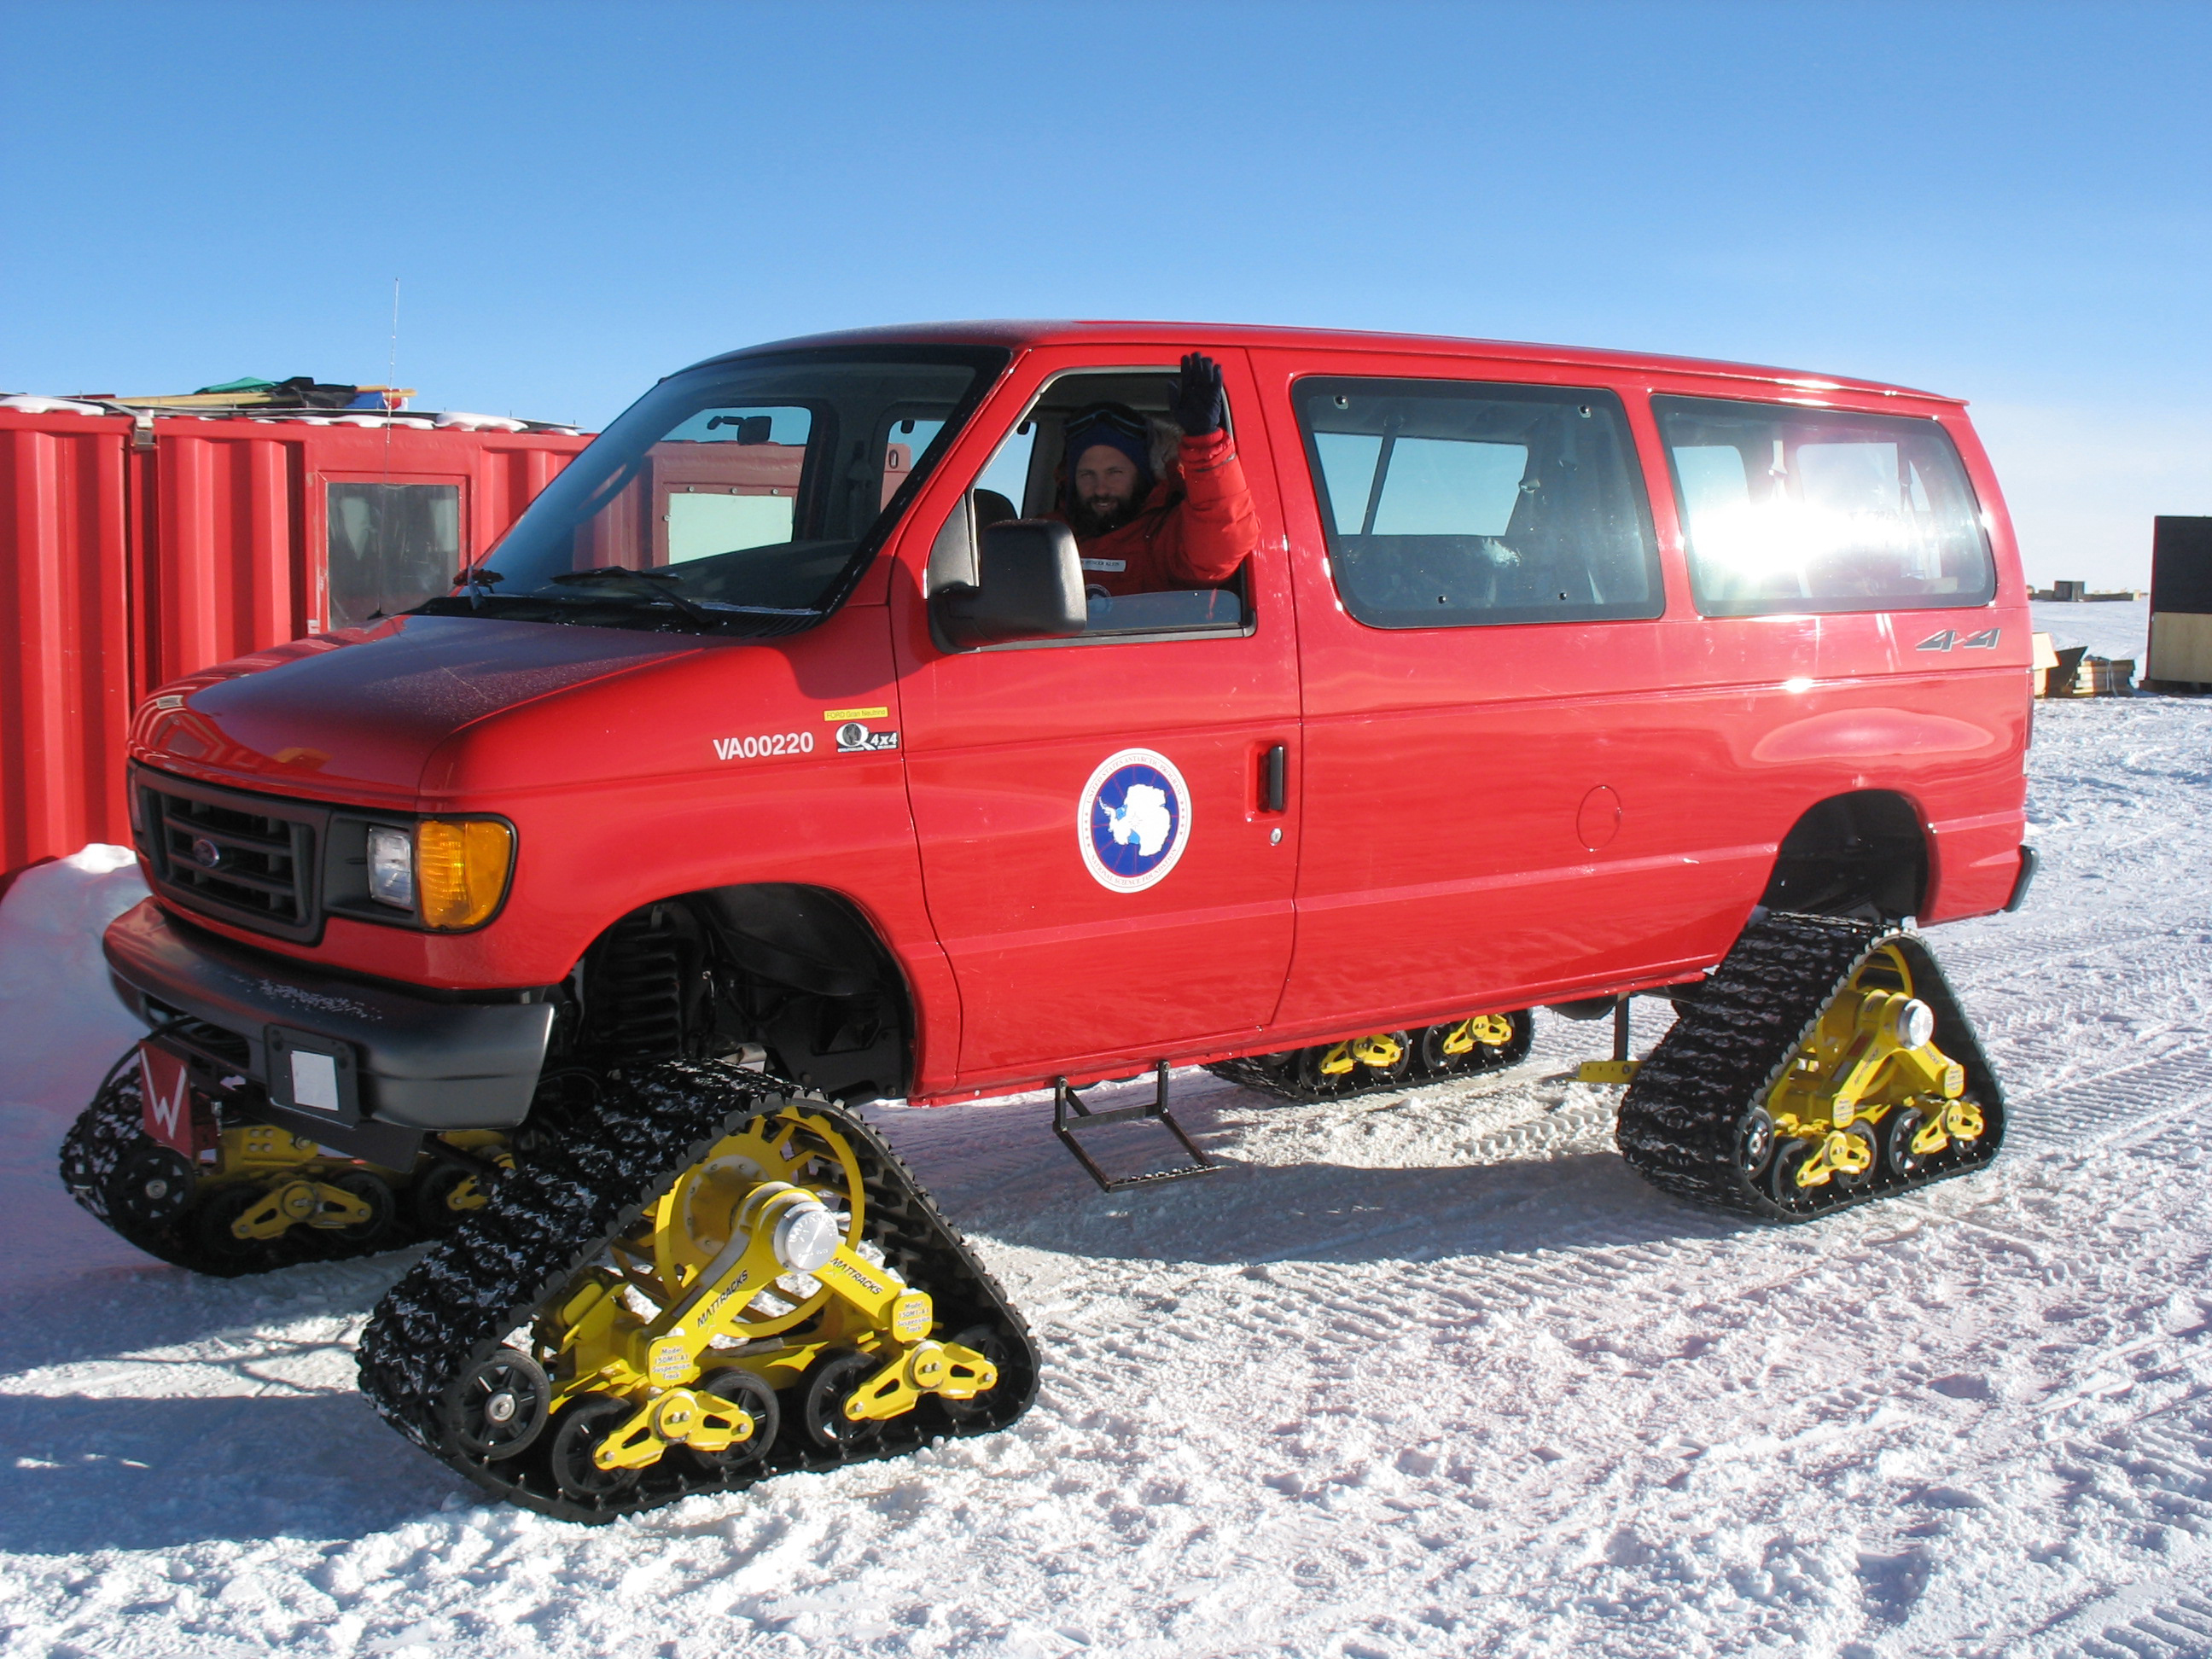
1429,1374
2109,628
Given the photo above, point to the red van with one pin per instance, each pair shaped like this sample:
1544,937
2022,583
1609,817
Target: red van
785,756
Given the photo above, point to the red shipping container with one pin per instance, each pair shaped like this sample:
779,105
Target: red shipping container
133,551
65,658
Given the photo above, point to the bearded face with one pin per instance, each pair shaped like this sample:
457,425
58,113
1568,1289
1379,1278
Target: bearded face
1107,491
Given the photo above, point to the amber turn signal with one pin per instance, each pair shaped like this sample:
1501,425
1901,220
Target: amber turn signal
460,869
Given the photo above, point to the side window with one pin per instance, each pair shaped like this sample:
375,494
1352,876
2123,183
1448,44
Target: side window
390,547
1786,508
1449,504
908,437
1026,478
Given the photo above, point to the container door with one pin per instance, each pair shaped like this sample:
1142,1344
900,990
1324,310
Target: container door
1493,790
1103,861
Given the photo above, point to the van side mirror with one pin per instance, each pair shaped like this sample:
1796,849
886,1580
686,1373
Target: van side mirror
1028,586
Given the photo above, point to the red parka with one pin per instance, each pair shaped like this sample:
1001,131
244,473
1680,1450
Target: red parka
1196,528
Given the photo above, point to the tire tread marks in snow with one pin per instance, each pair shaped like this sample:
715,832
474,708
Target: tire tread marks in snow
1678,1121
562,1204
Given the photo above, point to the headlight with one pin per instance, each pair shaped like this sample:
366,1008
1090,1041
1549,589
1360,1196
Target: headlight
391,867
460,868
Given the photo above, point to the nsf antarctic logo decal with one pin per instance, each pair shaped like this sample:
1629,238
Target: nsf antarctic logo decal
1133,820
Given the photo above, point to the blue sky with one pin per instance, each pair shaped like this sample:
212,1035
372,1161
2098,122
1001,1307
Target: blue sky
2006,202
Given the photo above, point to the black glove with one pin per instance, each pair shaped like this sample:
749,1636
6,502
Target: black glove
1197,406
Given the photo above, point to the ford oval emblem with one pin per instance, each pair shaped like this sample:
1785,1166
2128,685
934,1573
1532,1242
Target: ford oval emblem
206,853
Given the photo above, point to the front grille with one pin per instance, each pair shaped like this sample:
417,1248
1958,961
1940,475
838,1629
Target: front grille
243,858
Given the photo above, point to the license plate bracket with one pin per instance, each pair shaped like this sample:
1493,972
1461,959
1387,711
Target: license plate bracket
318,1075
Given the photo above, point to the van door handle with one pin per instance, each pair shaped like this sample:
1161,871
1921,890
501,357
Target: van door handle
1274,790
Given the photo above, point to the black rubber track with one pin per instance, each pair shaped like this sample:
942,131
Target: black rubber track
591,1182
104,1164
1278,1074
1679,1119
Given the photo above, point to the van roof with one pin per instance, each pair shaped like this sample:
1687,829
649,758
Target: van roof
1017,334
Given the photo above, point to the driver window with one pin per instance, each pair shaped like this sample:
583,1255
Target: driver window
1025,478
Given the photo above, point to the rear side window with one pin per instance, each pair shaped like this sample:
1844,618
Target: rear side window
1793,509
1448,504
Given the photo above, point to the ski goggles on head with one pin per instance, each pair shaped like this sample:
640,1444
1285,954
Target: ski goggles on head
1114,417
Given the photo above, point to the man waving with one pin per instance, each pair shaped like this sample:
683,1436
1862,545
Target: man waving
1190,526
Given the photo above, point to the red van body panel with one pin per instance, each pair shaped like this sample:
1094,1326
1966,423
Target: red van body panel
1449,771
1478,819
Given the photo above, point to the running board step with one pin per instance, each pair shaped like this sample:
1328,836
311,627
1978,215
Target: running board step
1069,1112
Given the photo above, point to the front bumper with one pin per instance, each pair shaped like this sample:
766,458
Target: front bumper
408,1060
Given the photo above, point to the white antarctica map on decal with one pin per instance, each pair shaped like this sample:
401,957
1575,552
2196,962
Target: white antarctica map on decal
1133,820
1142,817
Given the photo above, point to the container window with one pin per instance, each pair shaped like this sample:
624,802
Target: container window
1786,508
727,481
1448,504
391,547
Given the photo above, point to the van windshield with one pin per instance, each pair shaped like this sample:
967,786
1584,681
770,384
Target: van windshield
742,496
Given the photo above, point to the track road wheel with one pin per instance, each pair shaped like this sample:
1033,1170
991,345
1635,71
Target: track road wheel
1856,1164
822,1402
1326,1070
1898,1131
444,1192
1790,1157
586,1422
358,1238
1440,1050
1481,1044
1964,1122
496,1408
212,1227
1754,1143
1385,1059
150,1188
988,1343
742,1387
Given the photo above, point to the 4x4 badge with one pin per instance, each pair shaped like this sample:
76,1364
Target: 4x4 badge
1985,641
855,739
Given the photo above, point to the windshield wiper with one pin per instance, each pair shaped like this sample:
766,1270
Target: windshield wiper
475,581
655,588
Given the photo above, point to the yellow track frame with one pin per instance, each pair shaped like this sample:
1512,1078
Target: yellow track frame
708,1281
1858,1065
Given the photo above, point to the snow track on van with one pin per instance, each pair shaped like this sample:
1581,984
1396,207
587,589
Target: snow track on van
1429,1373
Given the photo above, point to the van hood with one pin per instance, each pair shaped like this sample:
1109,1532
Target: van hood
361,713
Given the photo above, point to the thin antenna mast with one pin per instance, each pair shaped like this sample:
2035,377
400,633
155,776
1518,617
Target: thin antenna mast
391,379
